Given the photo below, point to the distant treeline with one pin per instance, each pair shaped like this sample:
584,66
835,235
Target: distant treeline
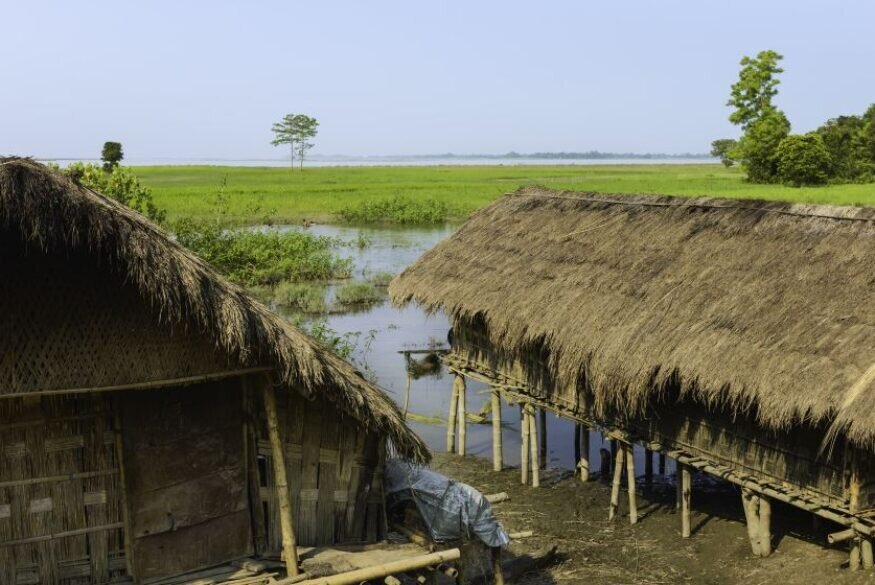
589,155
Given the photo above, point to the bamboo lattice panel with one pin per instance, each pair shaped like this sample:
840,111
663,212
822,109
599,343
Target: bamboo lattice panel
70,324
59,476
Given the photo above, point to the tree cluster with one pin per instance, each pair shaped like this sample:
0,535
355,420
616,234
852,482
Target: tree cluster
841,150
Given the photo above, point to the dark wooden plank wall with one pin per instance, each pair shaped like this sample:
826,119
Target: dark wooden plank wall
186,476
59,475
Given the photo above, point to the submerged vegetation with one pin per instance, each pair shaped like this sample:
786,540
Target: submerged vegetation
304,296
358,293
397,209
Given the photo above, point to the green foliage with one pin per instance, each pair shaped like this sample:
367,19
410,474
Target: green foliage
120,184
867,137
111,155
722,149
803,160
844,138
358,293
752,94
306,297
757,149
381,279
296,130
397,209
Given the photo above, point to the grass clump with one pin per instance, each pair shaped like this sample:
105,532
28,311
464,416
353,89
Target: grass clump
381,279
306,297
263,257
397,209
358,293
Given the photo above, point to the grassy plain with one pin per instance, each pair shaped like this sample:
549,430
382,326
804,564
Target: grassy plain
322,193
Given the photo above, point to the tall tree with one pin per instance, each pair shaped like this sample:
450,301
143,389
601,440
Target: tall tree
757,84
296,130
722,148
111,155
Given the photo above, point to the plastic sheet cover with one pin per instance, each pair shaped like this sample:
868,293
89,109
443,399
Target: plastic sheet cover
451,510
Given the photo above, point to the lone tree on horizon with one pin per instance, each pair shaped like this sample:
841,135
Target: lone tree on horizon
111,155
296,130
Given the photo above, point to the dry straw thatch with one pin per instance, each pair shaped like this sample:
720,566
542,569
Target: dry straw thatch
761,308
49,210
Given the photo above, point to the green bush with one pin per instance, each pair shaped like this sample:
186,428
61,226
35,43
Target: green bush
305,297
259,257
397,209
120,183
757,149
357,293
803,160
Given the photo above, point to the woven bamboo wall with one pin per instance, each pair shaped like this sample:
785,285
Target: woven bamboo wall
68,323
334,472
790,458
59,475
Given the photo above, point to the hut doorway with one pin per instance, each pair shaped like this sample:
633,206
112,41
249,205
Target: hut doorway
61,515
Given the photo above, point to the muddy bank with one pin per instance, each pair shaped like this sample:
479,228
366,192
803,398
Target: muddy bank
573,515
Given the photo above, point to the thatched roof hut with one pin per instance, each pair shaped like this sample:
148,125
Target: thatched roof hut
51,212
758,306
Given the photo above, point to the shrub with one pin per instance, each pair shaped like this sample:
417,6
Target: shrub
397,209
758,147
803,160
120,183
306,297
381,279
357,293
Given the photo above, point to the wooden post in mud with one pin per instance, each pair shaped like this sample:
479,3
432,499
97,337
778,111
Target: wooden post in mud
463,415
648,467
497,449
686,494
533,438
853,506
662,464
581,444
451,418
290,549
765,526
542,438
615,485
524,444
407,395
630,482
866,553
750,501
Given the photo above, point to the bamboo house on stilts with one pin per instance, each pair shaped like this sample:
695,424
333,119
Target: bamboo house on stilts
154,419
736,337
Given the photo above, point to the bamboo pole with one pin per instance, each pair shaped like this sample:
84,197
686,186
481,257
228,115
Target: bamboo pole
451,418
764,527
497,448
853,507
583,459
533,438
686,493
290,550
542,440
379,571
463,416
524,442
128,533
615,486
630,481
407,396
750,500
866,553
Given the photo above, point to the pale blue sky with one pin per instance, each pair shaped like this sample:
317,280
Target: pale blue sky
207,79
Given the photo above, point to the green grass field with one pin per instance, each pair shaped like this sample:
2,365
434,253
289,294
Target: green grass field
319,193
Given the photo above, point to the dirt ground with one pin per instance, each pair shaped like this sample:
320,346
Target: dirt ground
574,515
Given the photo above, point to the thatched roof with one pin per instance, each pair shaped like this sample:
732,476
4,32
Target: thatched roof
51,211
759,307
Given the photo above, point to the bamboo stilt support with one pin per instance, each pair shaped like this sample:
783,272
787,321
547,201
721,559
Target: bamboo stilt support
662,464
497,574
533,438
451,418
648,466
854,555
290,549
463,415
854,505
750,500
866,553
630,481
407,397
524,444
765,527
615,486
497,449
686,493
583,458
542,438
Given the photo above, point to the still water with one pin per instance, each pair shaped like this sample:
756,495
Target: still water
385,330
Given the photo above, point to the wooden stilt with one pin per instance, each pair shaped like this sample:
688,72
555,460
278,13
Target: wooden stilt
497,575
583,459
524,444
463,415
648,467
686,493
290,548
542,438
630,482
497,448
765,527
407,396
854,556
866,553
751,503
615,485
451,419
533,437
662,464
604,464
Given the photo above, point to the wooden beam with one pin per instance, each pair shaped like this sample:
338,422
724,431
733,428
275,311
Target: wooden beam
290,551
379,571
